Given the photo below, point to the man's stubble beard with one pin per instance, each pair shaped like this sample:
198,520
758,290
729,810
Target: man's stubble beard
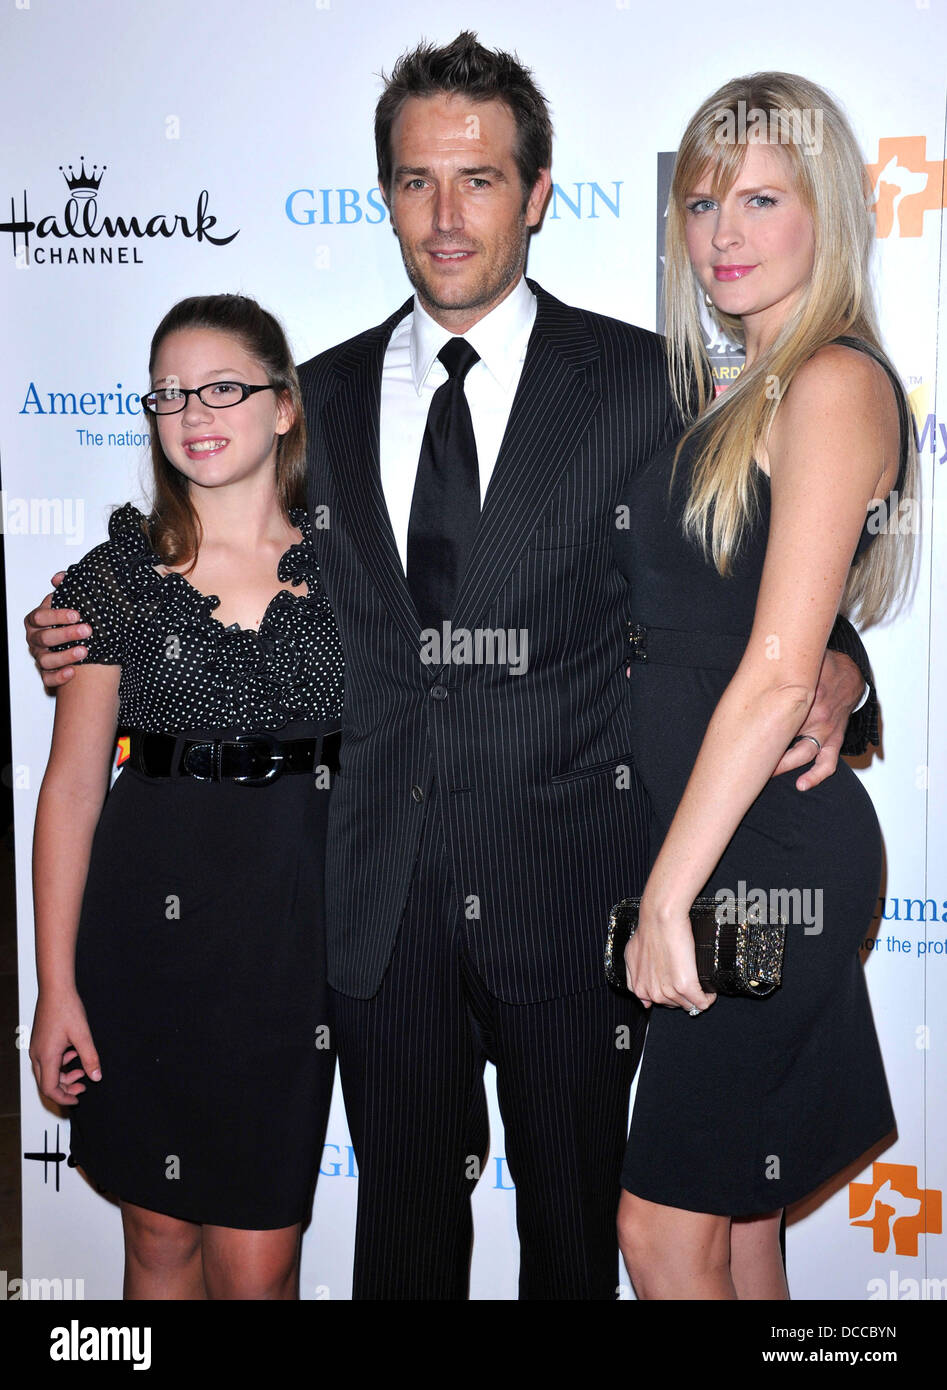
489,289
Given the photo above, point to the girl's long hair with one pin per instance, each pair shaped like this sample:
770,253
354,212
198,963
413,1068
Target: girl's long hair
175,529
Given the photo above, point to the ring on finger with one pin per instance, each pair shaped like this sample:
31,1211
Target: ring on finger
812,739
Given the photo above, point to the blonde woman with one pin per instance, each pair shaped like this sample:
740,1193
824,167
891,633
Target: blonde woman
769,517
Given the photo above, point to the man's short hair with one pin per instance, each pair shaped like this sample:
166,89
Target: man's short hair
465,68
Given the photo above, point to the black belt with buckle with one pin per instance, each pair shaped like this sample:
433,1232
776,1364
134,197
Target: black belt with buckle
250,760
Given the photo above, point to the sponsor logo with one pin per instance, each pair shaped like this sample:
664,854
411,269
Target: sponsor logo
586,200
83,234
894,1208
115,402
325,207
54,1156
896,909
905,184
338,1161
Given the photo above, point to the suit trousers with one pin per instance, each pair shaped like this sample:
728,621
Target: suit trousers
412,1059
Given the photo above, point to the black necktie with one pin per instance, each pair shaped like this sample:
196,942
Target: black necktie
445,508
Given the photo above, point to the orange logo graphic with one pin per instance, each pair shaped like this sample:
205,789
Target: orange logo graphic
892,1204
122,750
905,185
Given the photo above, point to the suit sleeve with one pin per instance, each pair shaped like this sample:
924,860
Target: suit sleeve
863,724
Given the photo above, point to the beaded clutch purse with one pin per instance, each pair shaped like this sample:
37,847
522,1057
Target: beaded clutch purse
738,953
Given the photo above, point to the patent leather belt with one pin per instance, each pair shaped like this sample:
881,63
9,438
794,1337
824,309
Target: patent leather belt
663,646
251,760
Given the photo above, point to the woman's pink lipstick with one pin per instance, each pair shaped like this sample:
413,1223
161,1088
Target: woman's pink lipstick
732,272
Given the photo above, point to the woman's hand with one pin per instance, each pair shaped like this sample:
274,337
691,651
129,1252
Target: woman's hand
60,1036
661,965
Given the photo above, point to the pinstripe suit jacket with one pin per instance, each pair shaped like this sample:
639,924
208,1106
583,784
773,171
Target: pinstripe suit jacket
544,819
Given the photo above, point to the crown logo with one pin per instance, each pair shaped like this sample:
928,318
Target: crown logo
83,185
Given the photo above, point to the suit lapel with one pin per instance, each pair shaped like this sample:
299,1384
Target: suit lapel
350,420
557,396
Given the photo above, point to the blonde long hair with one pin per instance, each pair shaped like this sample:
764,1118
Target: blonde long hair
837,301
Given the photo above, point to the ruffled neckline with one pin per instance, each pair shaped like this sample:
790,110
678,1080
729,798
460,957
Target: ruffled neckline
266,663
128,532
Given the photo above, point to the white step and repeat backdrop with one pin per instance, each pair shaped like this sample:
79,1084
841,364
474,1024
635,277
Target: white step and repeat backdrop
228,146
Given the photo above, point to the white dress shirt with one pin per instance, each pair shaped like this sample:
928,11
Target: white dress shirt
411,374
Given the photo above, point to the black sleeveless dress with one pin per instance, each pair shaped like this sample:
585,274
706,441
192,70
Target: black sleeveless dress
753,1104
200,956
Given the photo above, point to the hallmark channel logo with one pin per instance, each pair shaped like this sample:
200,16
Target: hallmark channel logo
39,240
50,1157
894,1208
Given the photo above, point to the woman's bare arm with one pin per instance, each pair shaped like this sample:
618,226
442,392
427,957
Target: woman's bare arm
827,461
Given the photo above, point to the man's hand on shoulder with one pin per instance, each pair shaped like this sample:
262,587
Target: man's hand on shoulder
48,627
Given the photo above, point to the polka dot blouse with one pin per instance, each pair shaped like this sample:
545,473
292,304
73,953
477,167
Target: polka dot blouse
181,668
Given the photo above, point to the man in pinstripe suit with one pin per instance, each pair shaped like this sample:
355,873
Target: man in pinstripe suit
485,817
486,814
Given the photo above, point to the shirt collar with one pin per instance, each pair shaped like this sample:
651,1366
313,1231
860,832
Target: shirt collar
500,337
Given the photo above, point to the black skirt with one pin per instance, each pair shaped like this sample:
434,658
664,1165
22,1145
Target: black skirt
200,960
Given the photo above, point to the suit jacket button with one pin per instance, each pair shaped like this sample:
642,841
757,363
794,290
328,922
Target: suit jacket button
439,692
417,793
